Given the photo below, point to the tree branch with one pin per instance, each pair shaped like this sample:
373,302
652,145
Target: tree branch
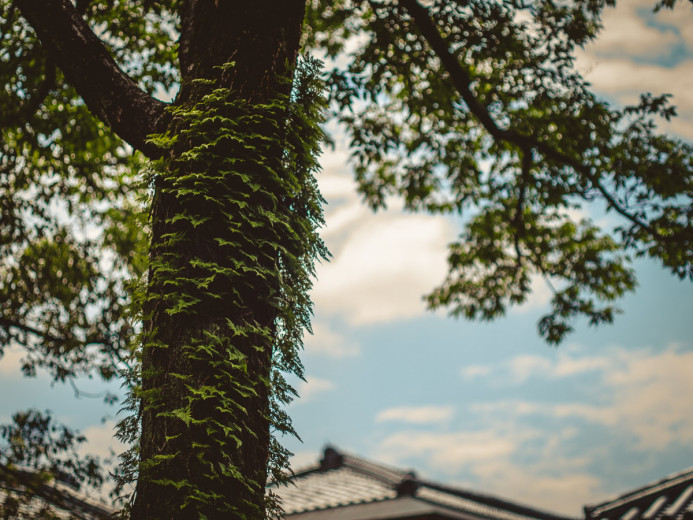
7,323
460,77
518,219
108,92
113,353
462,81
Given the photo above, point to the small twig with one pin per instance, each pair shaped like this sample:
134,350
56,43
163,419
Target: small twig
518,220
81,393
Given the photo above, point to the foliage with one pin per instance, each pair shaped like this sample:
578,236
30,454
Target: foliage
475,108
71,231
34,442
461,108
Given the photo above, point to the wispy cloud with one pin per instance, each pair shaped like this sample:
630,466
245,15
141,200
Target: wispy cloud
630,58
101,441
302,459
382,269
448,452
492,461
643,392
552,483
627,33
325,341
569,361
416,414
11,362
474,371
542,449
538,298
312,387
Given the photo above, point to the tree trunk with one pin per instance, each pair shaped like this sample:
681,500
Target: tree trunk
209,313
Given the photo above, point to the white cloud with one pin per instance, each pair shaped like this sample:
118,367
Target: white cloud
639,400
384,262
614,63
681,19
303,459
554,484
564,364
312,387
343,218
326,342
522,368
101,441
447,452
625,80
552,480
383,267
539,296
555,364
614,66
473,371
10,362
416,414
642,393
337,185
627,33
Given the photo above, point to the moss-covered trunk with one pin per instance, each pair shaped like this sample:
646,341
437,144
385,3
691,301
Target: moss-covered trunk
211,305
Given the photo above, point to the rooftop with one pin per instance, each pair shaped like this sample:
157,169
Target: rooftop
345,487
22,496
670,498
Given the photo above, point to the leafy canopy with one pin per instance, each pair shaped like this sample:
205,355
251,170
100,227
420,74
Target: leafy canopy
467,108
475,108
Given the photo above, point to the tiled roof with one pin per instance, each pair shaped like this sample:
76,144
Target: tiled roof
345,487
668,499
65,502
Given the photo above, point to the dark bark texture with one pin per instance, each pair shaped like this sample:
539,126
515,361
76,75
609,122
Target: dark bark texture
261,40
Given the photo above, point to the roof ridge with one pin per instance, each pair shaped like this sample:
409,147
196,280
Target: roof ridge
493,501
335,459
377,470
407,482
672,480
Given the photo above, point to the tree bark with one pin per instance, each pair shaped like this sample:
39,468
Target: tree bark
186,471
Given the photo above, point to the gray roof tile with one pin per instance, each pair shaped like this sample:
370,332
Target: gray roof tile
342,480
670,498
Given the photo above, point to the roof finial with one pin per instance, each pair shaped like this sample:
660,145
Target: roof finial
407,486
331,459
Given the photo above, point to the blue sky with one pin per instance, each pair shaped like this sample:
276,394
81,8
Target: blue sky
485,406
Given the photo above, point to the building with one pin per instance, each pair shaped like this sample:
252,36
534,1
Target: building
670,498
344,487
24,496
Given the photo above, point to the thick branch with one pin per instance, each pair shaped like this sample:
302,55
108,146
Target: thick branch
460,77
109,93
95,340
111,349
462,81
7,323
